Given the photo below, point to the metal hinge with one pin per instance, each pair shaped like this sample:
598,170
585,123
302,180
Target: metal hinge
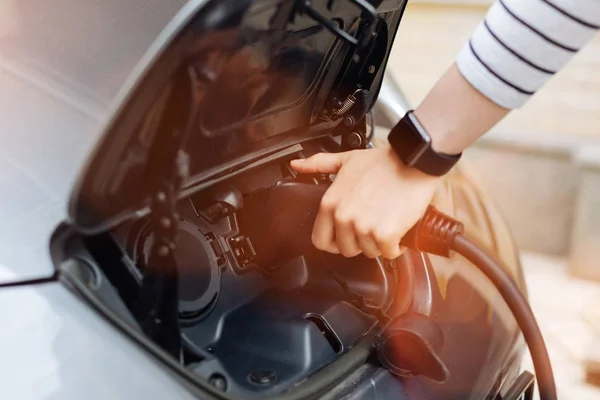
369,14
157,307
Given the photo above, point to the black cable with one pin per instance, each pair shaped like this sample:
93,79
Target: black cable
520,308
438,234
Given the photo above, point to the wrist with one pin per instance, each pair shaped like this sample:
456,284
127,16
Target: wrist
444,137
455,114
413,146
407,172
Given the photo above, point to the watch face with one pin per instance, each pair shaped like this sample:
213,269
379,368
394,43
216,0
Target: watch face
412,144
409,140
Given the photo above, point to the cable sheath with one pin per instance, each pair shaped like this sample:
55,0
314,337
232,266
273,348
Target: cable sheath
520,308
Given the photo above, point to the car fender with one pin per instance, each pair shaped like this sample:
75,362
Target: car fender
54,346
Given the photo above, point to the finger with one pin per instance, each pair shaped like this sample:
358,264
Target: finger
345,237
323,234
388,244
390,251
367,244
321,163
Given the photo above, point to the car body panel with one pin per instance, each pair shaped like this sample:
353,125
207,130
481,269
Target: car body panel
289,66
56,347
59,71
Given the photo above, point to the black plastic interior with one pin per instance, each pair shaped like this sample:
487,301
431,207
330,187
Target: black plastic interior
250,324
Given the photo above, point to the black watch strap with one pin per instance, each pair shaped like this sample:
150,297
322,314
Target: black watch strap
412,144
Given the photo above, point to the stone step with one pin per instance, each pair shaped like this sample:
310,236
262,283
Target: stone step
561,304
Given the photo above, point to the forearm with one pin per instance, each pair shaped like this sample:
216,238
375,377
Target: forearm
519,46
455,114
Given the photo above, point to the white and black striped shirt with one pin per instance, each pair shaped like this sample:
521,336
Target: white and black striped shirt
521,44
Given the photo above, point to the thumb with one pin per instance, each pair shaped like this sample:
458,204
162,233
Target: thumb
321,163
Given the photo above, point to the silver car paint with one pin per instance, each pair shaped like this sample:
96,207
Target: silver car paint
61,64
391,101
53,346
54,98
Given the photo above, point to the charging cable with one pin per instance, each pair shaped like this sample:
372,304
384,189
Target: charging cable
438,234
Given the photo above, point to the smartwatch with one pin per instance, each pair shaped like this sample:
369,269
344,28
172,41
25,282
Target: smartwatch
412,144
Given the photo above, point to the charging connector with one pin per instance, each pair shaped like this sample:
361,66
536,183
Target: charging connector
434,233
437,233
279,232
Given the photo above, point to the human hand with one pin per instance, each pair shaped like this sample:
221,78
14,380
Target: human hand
373,201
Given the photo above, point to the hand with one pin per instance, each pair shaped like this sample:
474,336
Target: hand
373,201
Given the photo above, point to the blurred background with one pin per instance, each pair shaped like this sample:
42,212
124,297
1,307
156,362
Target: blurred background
542,166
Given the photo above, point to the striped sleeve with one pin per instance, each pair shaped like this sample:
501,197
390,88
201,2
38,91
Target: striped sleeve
521,44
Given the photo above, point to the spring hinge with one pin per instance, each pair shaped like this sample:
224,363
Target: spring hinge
347,104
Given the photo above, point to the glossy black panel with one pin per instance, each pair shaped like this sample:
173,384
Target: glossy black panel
241,77
290,335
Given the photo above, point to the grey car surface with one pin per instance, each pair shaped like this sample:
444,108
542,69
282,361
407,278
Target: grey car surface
61,64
